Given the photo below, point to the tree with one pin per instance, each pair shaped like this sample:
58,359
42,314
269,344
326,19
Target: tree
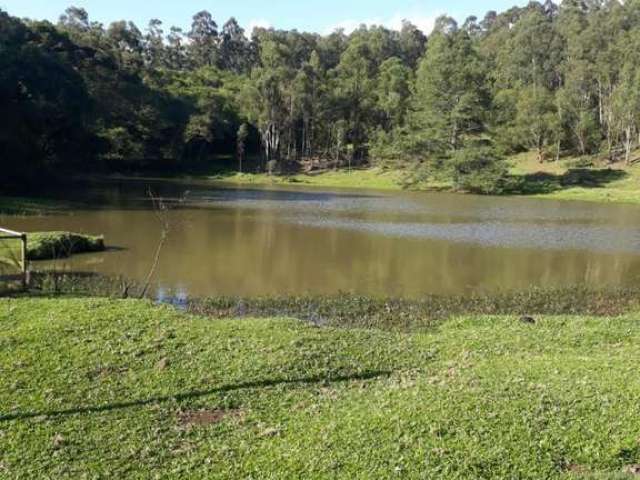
579,116
204,39
154,52
536,120
75,19
393,91
355,80
450,99
626,108
127,44
477,168
266,98
243,134
176,50
445,25
234,48
412,43
532,53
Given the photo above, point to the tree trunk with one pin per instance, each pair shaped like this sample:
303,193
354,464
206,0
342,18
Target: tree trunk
627,146
600,106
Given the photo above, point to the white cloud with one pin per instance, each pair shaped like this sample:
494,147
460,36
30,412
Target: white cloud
257,23
424,22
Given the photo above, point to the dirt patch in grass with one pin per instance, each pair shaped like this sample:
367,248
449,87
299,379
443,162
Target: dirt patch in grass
203,418
105,371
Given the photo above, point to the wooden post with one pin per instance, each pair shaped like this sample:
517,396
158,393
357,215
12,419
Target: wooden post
25,272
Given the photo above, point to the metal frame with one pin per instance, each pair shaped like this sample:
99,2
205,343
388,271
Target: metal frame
6,234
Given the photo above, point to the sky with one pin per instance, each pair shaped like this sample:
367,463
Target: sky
321,16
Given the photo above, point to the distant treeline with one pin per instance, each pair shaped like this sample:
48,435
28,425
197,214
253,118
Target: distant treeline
78,96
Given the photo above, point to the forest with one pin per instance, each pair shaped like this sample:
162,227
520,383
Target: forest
559,80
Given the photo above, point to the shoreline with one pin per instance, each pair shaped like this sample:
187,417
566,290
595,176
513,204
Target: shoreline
615,184
625,191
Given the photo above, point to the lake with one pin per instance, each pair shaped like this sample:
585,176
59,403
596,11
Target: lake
227,240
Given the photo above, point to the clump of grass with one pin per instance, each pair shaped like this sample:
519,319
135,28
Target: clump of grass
370,312
51,246
54,245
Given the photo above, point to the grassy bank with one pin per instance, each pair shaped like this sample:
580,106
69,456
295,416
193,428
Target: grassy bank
372,178
568,179
124,389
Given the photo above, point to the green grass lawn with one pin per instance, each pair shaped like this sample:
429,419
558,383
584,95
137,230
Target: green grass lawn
372,178
124,389
620,183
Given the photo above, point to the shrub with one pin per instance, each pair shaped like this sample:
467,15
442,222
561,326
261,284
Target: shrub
52,245
478,169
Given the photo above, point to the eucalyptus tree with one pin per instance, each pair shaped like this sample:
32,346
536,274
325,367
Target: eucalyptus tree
176,49
354,89
241,144
154,48
75,19
76,22
126,42
308,105
266,101
204,39
235,49
411,42
537,121
576,97
626,108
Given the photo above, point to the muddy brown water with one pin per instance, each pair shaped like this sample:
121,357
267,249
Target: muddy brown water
257,241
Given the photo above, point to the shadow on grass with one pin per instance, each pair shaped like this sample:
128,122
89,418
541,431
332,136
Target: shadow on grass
543,182
370,375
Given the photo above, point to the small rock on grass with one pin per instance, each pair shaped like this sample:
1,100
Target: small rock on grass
270,432
58,441
162,364
632,470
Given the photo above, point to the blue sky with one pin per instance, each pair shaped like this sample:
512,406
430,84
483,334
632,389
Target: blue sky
309,15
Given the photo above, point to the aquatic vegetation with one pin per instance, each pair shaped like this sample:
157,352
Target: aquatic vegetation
371,312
